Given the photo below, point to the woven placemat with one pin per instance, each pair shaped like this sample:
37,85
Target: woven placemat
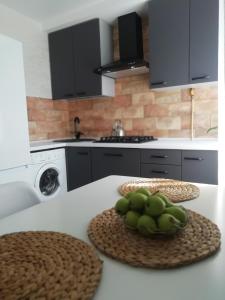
47,265
177,191
199,239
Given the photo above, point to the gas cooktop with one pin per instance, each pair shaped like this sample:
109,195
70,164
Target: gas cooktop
126,139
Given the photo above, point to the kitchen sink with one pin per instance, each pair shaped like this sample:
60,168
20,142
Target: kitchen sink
73,140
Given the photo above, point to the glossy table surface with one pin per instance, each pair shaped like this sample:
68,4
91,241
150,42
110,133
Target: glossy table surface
71,214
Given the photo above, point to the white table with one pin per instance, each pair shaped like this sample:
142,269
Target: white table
201,281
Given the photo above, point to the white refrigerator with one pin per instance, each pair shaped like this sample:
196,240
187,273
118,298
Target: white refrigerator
14,137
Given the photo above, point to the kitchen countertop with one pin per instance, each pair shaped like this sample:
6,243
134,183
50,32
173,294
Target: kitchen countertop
181,144
72,213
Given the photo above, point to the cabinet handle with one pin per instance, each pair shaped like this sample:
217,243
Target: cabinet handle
113,154
81,93
160,172
201,77
194,158
159,156
82,153
159,83
69,95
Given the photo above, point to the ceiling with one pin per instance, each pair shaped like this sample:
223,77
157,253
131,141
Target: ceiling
54,14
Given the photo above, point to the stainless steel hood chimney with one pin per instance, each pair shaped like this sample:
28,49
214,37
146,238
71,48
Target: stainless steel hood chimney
131,49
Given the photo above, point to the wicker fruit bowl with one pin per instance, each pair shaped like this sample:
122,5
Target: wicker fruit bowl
151,215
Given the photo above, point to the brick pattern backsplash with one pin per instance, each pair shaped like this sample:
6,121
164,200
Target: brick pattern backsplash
165,113
144,112
48,119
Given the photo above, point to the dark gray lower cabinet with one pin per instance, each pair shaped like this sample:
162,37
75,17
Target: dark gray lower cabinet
162,157
112,161
161,171
78,164
161,163
200,166
85,165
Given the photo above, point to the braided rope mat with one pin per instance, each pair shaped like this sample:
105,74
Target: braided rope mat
47,265
199,239
177,191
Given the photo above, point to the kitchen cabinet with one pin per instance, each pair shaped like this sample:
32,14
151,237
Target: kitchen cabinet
114,161
161,171
87,56
162,157
161,163
168,42
200,166
78,165
61,62
75,53
85,165
183,42
204,16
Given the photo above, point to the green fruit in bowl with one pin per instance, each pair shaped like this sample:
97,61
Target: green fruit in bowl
178,213
138,201
155,206
168,224
165,199
128,195
146,225
131,219
143,191
122,206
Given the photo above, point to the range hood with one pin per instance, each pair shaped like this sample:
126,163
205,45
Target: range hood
131,49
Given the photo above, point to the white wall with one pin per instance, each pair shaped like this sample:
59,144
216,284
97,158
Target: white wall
35,50
221,93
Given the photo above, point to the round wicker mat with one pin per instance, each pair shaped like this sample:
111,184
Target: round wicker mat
47,265
199,239
177,191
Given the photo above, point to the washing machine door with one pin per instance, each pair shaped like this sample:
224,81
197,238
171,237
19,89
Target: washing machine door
47,182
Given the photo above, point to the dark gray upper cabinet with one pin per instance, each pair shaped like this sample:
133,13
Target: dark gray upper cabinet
75,53
168,42
87,55
183,42
204,16
61,61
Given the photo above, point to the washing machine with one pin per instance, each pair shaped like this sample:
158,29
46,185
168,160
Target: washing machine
48,173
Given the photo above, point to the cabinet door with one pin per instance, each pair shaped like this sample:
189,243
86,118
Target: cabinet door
161,171
111,161
204,15
87,56
168,42
162,157
200,166
78,165
61,62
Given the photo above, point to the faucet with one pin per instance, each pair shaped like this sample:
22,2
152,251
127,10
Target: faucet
77,131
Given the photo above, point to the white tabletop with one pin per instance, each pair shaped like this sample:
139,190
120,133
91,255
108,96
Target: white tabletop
71,214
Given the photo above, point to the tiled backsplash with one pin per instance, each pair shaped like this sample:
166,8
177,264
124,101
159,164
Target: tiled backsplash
143,112
161,113
165,113
48,119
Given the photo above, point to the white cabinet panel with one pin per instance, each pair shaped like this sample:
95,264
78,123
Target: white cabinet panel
14,139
